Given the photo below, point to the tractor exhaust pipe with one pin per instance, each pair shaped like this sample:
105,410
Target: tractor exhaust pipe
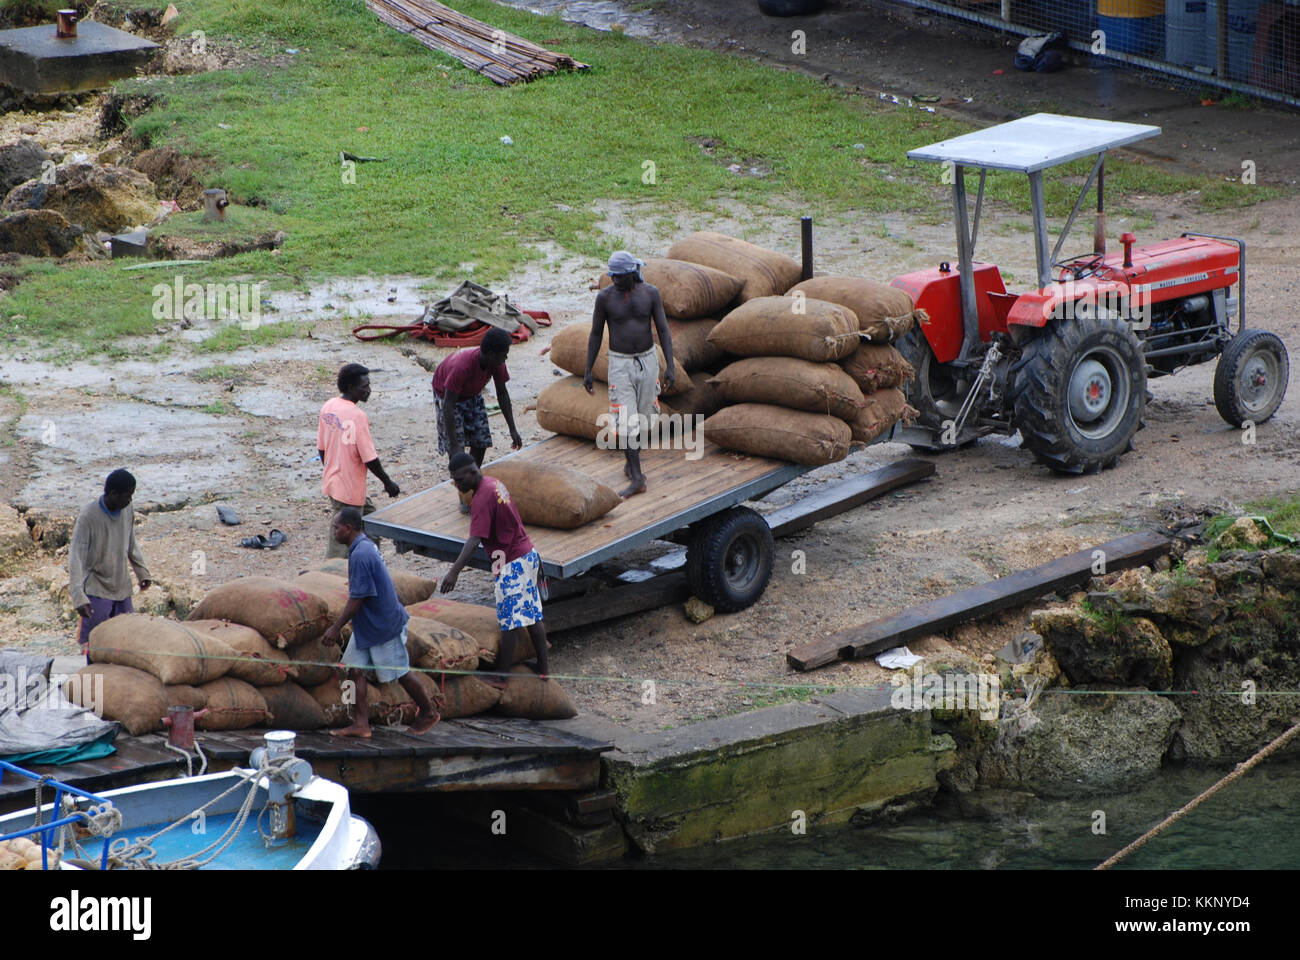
805,225
1099,227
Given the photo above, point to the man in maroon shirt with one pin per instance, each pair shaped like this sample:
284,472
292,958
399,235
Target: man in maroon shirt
494,522
458,384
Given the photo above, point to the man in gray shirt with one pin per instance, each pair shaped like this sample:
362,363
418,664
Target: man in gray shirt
103,543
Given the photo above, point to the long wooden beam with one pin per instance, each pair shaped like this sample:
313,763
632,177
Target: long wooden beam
937,615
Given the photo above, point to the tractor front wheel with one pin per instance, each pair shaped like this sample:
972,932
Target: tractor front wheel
1250,378
1081,393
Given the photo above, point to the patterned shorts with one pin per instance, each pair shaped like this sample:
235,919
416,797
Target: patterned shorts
518,602
471,422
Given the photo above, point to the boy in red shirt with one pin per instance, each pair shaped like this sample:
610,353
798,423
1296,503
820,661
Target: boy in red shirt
458,384
347,452
494,522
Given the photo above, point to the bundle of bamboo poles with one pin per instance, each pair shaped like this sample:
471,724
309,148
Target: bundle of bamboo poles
501,57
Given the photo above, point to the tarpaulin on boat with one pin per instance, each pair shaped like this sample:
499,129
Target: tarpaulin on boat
38,724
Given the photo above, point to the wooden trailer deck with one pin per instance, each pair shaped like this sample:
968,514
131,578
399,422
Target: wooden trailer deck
680,492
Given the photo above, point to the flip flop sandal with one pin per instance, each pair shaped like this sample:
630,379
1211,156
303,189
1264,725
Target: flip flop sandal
258,542
228,515
276,538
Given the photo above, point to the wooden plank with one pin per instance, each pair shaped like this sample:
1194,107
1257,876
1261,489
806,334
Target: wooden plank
845,495
617,602
679,488
1072,570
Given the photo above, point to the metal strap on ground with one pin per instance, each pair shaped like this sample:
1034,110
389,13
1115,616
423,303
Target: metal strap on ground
1241,770
1073,570
501,57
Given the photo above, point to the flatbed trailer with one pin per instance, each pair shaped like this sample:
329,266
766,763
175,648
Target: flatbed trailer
693,501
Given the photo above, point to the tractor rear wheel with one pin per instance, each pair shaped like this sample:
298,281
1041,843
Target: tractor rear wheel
1250,378
1080,393
934,391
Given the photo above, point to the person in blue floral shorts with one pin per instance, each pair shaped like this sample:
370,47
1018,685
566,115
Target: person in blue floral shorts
494,522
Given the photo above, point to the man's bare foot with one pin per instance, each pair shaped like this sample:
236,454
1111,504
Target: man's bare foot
632,489
353,731
423,723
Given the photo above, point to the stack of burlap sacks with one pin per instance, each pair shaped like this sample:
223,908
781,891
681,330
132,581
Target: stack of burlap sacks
778,367
251,655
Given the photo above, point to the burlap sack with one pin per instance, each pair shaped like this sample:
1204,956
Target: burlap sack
330,587
329,697
764,273
326,578
292,708
467,696
282,612
478,621
180,695
688,290
553,495
691,346
232,705
249,645
770,327
569,352
883,312
134,698
790,382
528,695
780,433
311,656
170,651
701,400
883,409
388,704
565,407
877,366
436,645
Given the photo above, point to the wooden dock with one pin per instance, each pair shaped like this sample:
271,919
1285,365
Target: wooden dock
680,492
474,753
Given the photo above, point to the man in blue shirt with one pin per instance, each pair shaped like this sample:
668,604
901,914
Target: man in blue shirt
378,644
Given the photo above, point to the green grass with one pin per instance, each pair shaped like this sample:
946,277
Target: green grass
1281,512
773,696
1112,621
450,193
232,336
240,222
218,409
218,371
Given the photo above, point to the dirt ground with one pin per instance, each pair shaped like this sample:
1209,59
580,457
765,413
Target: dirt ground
246,438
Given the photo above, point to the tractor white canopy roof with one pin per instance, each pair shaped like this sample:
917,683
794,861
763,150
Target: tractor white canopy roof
1034,143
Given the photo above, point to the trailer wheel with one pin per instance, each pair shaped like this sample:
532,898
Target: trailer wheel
1080,393
729,561
934,393
1251,377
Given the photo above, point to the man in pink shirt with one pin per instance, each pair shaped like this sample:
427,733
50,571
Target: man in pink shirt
458,396
347,452
494,522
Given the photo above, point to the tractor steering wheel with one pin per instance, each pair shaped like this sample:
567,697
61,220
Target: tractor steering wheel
1079,270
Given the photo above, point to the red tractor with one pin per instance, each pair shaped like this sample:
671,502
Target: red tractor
1067,364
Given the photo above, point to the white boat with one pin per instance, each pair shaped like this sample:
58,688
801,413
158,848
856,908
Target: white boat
276,815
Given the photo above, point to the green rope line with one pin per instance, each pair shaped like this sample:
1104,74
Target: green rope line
716,682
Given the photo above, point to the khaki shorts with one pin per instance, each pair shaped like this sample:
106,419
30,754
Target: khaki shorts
333,548
633,391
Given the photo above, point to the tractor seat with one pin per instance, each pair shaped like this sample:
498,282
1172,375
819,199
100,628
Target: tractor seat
1002,305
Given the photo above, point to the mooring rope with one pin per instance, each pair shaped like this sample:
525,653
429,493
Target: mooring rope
1241,770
